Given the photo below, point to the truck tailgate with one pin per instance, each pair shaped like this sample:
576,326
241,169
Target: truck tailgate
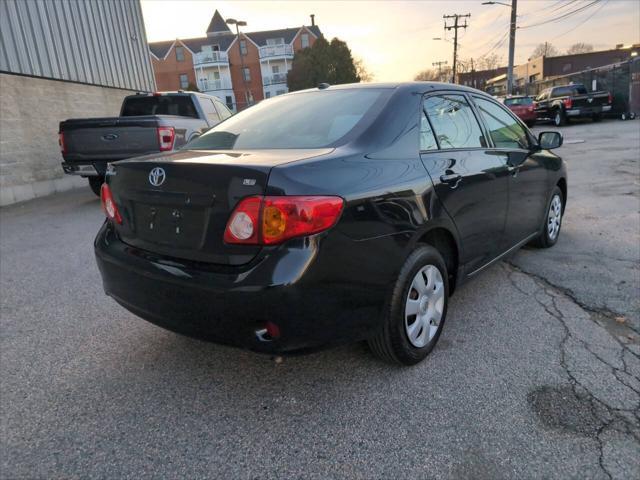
109,138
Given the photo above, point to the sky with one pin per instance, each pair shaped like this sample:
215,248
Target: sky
395,38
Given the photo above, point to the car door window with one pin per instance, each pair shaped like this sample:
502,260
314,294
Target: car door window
210,111
453,122
504,129
427,138
222,111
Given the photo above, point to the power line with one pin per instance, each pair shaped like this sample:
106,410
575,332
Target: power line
565,15
583,21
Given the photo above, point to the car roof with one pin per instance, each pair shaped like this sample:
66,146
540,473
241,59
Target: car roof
412,87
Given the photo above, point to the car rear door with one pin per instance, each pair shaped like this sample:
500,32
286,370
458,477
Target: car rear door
528,177
469,178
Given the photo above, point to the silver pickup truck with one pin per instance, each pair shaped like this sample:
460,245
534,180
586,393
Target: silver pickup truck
148,123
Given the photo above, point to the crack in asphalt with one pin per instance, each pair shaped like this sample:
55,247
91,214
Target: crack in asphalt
625,421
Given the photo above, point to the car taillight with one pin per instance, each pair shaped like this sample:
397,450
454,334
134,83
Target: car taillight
108,204
273,219
531,108
568,102
63,149
610,99
166,136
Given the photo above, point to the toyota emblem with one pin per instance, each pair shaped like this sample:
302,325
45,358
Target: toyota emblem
157,176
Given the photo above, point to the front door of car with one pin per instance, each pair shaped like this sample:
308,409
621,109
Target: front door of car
528,178
470,180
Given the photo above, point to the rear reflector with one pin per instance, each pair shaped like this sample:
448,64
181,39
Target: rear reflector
109,205
610,99
166,136
568,102
273,219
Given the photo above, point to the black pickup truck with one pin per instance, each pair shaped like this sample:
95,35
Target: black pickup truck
572,101
148,123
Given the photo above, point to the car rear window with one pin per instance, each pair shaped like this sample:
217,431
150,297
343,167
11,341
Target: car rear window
518,101
569,90
180,105
302,120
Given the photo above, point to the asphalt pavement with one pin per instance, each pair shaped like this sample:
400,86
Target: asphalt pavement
537,373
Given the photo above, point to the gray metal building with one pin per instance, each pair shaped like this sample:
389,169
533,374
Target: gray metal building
61,59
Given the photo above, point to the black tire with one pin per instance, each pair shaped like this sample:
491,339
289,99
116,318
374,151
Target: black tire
597,117
544,240
391,342
96,183
559,117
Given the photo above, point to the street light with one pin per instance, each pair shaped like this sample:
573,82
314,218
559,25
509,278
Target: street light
238,24
512,40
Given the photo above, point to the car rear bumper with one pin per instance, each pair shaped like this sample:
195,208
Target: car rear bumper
302,290
588,111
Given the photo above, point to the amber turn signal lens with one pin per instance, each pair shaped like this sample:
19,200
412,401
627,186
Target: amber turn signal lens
274,222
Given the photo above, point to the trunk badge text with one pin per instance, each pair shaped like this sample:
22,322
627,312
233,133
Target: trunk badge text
110,136
157,176
249,181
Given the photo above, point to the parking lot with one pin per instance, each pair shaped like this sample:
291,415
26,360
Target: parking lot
537,374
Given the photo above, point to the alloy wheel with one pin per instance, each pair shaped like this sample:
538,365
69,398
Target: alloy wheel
424,306
554,218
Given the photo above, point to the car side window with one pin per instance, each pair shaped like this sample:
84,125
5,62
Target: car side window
427,138
223,111
210,111
453,122
504,129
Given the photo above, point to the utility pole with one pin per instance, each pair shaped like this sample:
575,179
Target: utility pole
455,28
439,65
512,46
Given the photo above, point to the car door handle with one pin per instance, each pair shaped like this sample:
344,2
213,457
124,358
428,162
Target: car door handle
451,179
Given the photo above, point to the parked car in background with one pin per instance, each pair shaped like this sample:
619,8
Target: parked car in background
148,123
524,107
560,104
329,215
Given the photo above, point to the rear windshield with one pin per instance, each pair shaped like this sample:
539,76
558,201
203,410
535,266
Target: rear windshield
518,101
303,120
180,105
569,90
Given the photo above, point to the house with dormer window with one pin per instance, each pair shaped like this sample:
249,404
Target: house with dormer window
239,69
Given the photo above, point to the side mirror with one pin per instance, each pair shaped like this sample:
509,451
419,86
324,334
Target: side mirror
550,140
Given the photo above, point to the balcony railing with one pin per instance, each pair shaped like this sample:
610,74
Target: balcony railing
281,50
205,85
210,57
274,79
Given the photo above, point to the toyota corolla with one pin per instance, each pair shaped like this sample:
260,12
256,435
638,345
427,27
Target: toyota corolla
331,215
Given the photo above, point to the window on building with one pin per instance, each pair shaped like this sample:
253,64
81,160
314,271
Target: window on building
275,41
453,122
246,74
229,102
280,92
275,68
216,48
267,94
180,54
505,131
184,80
304,40
210,111
566,67
243,47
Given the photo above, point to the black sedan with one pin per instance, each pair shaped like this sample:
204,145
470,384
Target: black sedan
330,215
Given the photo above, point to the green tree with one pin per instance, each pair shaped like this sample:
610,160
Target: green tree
323,62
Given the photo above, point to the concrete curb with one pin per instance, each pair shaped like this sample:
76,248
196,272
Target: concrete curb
21,193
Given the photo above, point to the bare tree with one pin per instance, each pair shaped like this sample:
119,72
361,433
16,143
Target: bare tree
488,62
428,75
545,49
580,47
362,71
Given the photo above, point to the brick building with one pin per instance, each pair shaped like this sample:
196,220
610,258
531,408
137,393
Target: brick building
239,71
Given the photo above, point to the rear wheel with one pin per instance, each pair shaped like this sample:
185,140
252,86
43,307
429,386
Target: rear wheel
552,221
417,310
96,183
559,117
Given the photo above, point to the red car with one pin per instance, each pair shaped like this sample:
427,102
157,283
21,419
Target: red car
524,107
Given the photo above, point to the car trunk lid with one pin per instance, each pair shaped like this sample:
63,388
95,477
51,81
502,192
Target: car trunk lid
178,204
